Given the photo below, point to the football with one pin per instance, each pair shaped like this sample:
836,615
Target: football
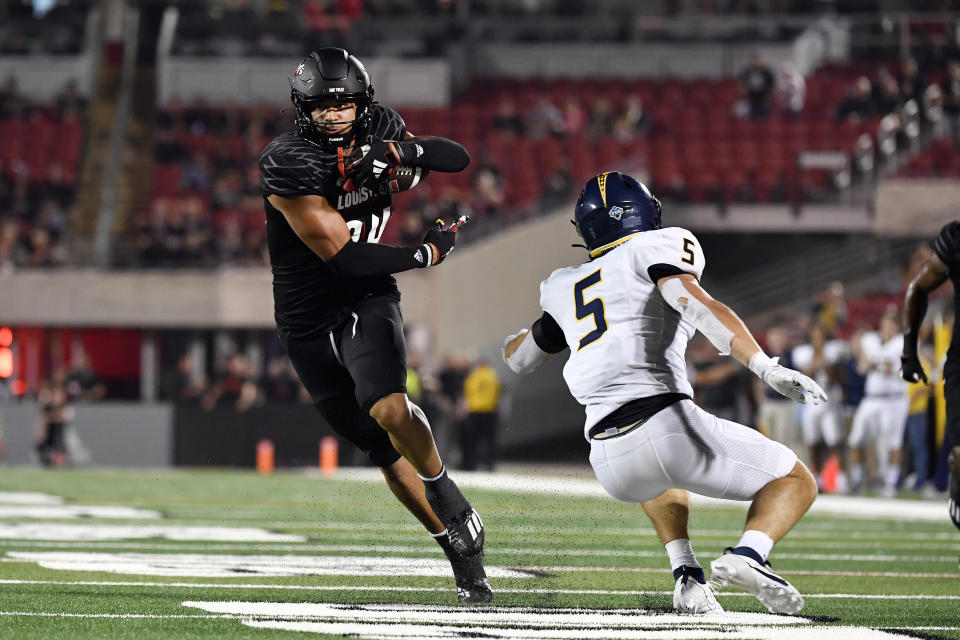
405,178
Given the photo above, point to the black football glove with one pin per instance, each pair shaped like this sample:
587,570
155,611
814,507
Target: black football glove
376,162
911,370
439,241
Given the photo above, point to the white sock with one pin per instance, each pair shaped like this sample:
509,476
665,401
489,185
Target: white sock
892,475
856,474
681,553
443,470
758,541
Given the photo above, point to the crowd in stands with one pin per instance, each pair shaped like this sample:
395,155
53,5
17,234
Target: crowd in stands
533,143
40,147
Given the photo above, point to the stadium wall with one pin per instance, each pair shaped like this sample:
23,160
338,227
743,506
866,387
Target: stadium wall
115,434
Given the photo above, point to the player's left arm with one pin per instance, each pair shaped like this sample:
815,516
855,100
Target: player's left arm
932,274
379,158
527,349
728,333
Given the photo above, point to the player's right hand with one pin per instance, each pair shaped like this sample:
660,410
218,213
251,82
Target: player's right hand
787,382
911,370
441,241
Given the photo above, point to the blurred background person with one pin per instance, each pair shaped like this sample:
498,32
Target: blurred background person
882,416
478,436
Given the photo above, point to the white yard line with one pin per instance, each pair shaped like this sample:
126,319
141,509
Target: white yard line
847,506
43,614
429,547
384,588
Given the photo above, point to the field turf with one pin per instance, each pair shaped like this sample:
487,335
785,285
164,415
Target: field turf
167,560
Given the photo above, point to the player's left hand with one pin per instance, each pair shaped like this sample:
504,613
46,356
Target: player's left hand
911,370
376,161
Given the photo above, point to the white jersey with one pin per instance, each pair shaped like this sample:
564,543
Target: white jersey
625,341
883,379
834,352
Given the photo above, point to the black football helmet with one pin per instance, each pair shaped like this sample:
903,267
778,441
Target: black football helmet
611,206
331,74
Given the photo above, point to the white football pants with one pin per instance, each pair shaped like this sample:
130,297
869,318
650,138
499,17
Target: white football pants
684,447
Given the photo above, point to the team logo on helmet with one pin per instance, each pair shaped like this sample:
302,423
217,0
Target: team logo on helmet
299,69
616,212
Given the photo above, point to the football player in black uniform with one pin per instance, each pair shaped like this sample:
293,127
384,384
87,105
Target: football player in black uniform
942,264
326,189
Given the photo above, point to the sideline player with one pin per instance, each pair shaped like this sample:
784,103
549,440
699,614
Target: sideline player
326,189
820,360
881,417
942,264
626,315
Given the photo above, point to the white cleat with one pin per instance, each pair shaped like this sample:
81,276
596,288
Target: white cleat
773,592
690,596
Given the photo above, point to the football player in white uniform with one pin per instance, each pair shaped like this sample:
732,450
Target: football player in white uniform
821,359
626,316
882,416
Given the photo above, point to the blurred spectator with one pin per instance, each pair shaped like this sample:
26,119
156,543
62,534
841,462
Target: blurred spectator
886,93
791,90
488,190
12,103
55,414
235,387
453,372
910,82
757,83
822,360
830,307
718,382
281,384
634,122
602,118
183,385
951,90
858,104
478,435
68,100
544,119
506,120
881,418
777,414
81,382
574,117
558,188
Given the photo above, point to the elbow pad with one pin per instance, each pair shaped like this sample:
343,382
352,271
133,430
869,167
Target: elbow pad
697,314
528,355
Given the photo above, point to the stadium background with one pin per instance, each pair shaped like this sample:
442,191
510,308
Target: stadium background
131,227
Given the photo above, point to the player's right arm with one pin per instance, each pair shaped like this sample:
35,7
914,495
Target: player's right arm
932,274
728,333
527,349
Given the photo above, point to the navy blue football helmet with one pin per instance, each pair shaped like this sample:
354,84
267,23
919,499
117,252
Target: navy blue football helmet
614,205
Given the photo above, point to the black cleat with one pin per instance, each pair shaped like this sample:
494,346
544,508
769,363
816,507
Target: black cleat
465,533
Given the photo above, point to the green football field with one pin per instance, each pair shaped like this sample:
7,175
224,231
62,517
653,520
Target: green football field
232,554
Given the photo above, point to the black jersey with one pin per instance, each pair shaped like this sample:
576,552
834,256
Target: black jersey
307,296
947,247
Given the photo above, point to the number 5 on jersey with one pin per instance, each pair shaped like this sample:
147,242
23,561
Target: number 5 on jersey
592,308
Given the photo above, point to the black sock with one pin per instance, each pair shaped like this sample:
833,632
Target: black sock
750,553
694,572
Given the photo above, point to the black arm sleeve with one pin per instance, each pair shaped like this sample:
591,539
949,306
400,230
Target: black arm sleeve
662,270
438,154
548,335
363,259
